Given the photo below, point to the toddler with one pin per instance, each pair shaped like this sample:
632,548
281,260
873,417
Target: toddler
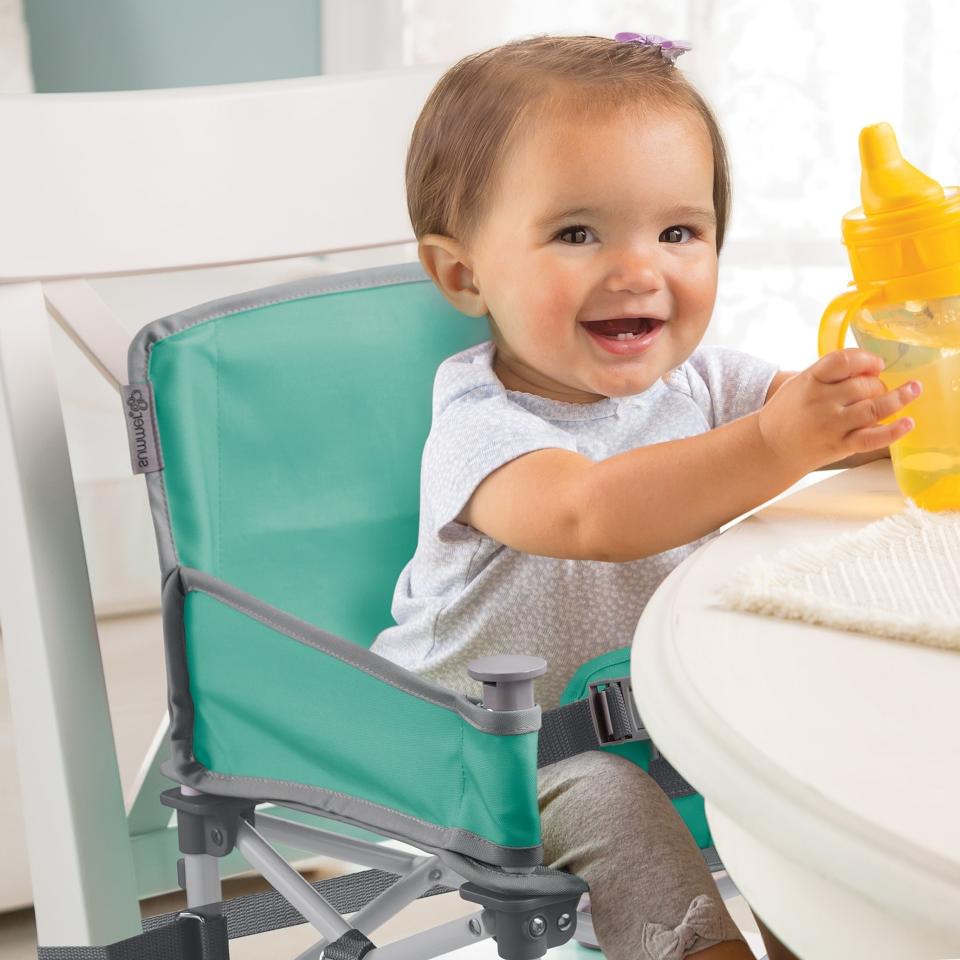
575,191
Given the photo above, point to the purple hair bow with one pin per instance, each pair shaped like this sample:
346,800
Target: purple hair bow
669,49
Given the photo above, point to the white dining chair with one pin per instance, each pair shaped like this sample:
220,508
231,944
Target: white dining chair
96,185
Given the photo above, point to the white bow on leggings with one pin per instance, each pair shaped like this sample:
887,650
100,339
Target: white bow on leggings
703,919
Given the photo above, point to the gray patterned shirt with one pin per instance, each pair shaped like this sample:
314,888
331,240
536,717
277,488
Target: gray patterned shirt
464,595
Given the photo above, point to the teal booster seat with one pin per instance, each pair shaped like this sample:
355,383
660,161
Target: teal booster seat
280,434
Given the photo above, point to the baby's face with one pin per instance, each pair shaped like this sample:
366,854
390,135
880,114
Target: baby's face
596,221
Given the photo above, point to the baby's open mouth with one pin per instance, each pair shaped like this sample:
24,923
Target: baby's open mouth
622,328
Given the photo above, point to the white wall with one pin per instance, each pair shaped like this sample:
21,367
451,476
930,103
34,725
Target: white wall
15,75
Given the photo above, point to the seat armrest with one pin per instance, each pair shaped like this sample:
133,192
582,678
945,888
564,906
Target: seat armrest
270,707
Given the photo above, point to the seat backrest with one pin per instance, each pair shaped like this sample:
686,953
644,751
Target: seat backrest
291,424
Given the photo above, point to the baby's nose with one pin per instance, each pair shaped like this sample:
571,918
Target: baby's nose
634,272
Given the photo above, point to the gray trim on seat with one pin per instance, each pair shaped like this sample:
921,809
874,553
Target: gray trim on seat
185,769
138,354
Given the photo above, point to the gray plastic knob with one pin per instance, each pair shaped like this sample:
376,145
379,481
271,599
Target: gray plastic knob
507,679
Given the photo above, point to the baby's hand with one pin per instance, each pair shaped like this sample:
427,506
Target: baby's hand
832,410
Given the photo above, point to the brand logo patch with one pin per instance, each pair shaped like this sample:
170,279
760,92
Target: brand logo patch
141,428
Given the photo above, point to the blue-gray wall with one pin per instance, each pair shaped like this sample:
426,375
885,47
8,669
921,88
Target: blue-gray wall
139,44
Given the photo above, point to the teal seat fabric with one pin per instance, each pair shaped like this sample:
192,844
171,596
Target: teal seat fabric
300,480
269,706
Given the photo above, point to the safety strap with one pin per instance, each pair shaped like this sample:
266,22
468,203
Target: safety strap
606,715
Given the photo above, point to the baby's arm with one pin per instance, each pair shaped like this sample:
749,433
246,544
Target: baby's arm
557,503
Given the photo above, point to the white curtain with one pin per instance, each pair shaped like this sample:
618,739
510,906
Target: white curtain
792,84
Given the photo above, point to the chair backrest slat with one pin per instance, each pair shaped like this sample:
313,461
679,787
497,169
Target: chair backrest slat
112,183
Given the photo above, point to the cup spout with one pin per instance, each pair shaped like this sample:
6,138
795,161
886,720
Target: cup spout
889,182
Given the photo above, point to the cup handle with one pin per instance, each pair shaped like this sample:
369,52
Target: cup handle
836,318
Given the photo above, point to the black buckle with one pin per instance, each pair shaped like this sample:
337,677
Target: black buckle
598,694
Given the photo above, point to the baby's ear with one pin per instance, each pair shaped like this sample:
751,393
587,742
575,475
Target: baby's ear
448,264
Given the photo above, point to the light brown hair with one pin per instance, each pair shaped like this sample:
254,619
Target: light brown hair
477,108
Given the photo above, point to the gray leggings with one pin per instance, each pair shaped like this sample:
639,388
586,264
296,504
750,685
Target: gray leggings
651,894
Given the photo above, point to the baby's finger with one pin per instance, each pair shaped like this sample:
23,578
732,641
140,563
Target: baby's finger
840,364
874,438
854,389
867,412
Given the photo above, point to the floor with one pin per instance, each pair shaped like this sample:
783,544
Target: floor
133,665
18,936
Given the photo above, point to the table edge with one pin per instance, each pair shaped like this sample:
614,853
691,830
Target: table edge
678,718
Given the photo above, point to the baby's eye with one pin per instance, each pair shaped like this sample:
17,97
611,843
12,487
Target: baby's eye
676,234
577,230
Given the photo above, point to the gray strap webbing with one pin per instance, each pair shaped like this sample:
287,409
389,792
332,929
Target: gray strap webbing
603,717
267,910
353,945
672,784
565,732
169,936
607,714
187,937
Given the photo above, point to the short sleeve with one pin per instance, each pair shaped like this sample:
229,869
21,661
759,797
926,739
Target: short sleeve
473,436
727,384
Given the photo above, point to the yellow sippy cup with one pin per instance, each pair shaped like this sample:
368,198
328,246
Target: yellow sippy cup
904,306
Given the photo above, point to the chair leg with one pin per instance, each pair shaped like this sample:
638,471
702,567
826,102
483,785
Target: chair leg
524,926
201,872
290,884
426,874
81,861
201,879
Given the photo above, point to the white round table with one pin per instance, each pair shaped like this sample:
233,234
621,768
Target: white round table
829,760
